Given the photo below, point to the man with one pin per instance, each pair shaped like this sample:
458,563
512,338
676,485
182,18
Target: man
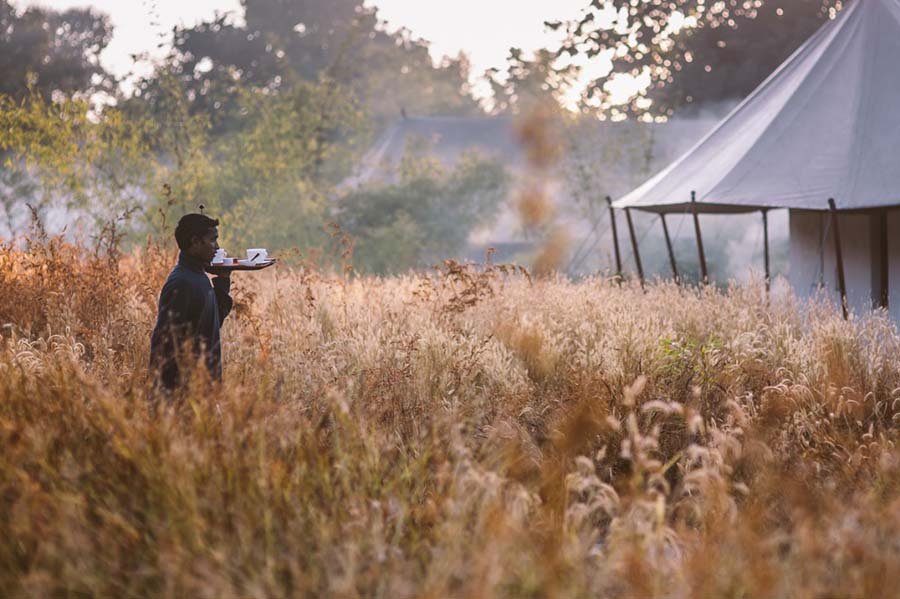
191,309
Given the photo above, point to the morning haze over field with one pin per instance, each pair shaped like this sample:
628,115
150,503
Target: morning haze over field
355,298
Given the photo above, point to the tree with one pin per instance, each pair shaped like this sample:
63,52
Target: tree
64,156
425,216
274,171
529,82
50,51
268,179
47,54
689,51
282,43
346,40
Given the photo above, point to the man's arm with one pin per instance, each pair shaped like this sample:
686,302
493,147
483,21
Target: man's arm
222,285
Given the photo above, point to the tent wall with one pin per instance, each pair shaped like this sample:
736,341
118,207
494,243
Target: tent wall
813,264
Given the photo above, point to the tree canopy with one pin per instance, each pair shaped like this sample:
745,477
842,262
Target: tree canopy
50,51
281,43
260,120
689,51
529,81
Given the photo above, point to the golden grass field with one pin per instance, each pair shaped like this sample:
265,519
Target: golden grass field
468,433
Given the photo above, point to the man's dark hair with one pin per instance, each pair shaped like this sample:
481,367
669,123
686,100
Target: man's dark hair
192,225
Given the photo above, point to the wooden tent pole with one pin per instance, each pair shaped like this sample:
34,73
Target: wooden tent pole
672,263
765,218
615,235
823,237
883,248
701,253
842,284
634,246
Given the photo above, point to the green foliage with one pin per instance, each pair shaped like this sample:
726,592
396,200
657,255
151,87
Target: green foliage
426,215
698,360
273,172
97,163
268,178
258,121
279,217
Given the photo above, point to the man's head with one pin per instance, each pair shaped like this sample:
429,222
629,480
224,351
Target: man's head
198,236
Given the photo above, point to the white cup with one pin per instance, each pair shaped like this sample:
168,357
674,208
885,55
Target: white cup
219,258
257,255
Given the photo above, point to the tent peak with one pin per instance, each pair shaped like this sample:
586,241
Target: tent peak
824,124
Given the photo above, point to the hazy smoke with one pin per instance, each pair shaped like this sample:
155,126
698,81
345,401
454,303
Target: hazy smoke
602,159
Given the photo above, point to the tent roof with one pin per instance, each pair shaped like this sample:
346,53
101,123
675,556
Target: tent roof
825,124
446,138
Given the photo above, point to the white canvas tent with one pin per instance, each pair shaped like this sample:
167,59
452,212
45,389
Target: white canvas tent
826,124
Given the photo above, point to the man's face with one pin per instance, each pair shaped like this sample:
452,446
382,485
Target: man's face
204,248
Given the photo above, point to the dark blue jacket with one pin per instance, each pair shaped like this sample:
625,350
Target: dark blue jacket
191,311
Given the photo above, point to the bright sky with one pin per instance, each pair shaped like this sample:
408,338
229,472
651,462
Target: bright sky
483,29
138,24
486,29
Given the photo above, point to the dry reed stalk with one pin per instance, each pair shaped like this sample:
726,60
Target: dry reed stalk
469,433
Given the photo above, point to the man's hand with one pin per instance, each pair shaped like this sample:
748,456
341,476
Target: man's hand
219,271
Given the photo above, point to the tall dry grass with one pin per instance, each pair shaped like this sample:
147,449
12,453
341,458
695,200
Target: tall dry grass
474,433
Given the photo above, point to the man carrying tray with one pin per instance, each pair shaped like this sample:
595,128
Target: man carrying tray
191,309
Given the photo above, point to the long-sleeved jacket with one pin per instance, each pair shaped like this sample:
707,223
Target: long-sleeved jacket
191,311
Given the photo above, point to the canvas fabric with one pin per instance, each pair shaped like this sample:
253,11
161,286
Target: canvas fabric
825,124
